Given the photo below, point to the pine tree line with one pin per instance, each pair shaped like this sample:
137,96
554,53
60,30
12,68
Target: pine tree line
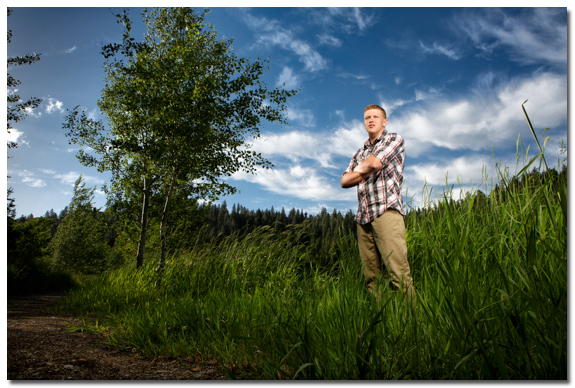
319,233
34,242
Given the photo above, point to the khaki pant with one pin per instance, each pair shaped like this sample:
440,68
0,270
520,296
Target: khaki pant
382,242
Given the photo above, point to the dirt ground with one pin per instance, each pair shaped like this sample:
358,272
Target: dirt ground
40,346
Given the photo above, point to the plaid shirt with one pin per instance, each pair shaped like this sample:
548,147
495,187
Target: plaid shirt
382,190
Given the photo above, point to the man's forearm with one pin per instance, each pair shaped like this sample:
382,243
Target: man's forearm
360,172
352,179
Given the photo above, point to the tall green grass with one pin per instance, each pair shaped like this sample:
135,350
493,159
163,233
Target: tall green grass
491,282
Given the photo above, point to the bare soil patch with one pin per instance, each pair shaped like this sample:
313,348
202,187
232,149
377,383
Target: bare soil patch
42,347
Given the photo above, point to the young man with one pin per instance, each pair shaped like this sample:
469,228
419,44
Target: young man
377,171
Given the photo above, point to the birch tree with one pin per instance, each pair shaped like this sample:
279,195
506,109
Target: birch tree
181,108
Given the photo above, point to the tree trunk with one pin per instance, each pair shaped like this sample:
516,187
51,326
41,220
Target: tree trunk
144,222
164,222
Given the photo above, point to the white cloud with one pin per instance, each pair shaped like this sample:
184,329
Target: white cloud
359,77
269,31
340,113
421,95
318,147
479,123
330,40
289,79
34,182
311,58
29,179
476,124
70,50
390,106
533,35
53,105
300,182
47,171
68,178
16,136
345,141
303,117
362,21
295,145
94,114
437,48
347,19
467,169
32,112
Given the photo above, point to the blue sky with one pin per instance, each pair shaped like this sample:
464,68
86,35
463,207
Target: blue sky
451,79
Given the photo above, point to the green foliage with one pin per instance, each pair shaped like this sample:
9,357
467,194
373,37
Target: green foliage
490,274
491,279
38,279
28,269
26,241
180,106
80,241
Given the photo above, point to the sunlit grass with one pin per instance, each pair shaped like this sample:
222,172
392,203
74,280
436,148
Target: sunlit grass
490,275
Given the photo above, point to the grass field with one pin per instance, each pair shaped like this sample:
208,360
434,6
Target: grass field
490,274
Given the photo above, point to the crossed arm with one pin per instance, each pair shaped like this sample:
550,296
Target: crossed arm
362,171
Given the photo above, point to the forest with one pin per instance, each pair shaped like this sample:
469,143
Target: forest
29,237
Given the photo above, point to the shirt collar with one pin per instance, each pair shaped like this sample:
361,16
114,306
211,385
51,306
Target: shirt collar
380,138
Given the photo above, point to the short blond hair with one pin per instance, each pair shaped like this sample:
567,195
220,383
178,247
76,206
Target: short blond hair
373,106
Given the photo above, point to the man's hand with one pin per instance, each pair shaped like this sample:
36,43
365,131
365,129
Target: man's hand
362,171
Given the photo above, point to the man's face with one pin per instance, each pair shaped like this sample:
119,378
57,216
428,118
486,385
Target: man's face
374,122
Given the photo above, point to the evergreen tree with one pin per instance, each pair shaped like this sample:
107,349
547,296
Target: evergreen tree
51,215
80,241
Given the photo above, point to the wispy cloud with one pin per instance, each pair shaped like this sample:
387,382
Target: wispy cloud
70,50
29,179
94,114
532,35
359,77
289,79
271,32
33,182
421,95
474,124
361,20
392,105
47,171
440,49
329,40
68,178
294,145
348,20
303,117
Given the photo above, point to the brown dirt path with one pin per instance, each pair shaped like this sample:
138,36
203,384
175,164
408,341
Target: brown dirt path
40,346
